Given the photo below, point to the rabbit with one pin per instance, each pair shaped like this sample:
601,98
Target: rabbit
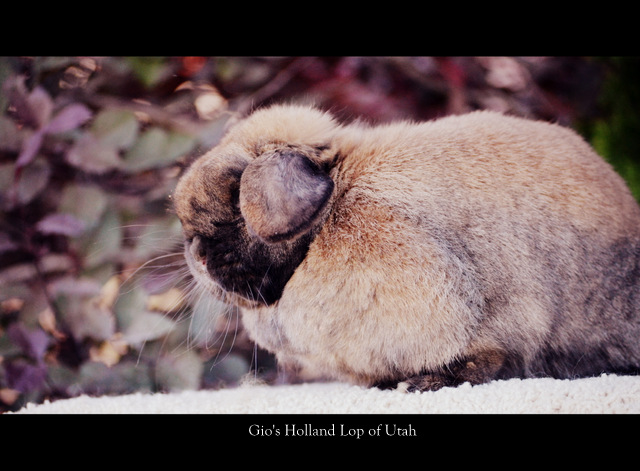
418,255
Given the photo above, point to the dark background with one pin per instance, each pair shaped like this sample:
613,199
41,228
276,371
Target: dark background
93,291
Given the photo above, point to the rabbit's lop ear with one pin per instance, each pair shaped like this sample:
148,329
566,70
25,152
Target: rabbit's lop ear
282,194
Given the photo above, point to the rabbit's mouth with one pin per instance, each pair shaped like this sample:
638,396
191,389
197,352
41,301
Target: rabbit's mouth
243,271
196,259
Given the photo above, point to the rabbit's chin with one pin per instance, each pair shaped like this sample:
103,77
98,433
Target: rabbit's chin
198,269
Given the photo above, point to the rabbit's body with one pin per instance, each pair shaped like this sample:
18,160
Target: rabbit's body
465,249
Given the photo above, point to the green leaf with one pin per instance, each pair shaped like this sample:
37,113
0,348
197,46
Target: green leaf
139,325
87,317
92,155
33,180
146,326
149,70
210,132
34,303
86,203
84,308
99,379
228,370
131,300
115,128
160,236
179,372
104,244
157,148
61,377
206,313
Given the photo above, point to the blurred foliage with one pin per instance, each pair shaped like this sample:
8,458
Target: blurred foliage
614,133
94,294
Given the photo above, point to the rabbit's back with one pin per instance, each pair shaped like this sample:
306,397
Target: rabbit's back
548,234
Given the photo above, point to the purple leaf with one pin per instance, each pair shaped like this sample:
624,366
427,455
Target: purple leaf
25,377
75,287
69,118
32,342
6,245
30,148
61,223
34,108
92,155
40,105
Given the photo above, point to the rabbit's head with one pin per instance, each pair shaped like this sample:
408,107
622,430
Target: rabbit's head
251,206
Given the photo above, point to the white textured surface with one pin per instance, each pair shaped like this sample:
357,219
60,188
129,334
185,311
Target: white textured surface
604,394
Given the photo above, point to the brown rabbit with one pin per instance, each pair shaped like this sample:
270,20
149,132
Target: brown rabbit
470,248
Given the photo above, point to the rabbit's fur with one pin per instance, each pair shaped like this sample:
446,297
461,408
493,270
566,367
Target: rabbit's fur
468,248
